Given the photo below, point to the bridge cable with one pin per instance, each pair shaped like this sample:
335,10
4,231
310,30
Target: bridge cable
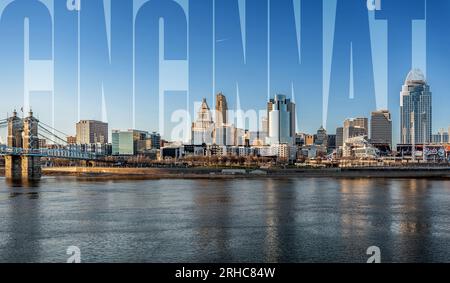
51,128
49,139
53,135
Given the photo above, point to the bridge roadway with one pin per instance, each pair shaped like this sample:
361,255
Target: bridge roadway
44,152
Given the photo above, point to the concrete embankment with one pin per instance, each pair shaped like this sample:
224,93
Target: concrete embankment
191,173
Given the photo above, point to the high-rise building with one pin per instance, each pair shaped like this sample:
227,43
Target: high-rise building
331,141
339,137
309,139
355,127
130,142
265,125
415,109
281,120
203,127
91,131
223,132
441,137
321,137
224,135
381,127
221,109
156,140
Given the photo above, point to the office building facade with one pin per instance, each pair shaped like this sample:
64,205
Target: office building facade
130,142
221,110
339,137
381,127
321,137
281,120
91,131
355,127
415,109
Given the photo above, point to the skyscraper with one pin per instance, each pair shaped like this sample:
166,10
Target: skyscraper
202,128
223,133
281,120
322,137
221,109
415,110
90,131
381,127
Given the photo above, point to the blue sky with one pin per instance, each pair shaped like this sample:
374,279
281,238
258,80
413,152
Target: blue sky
140,64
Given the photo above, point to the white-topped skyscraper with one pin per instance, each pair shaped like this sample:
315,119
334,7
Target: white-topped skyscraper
281,120
202,128
415,110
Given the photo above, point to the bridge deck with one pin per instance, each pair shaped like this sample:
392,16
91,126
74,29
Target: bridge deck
51,153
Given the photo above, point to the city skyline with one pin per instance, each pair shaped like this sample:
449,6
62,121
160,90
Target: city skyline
311,64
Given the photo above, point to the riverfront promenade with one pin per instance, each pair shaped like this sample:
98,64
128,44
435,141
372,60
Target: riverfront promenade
188,173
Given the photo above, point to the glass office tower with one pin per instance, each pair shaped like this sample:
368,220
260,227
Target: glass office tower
415,110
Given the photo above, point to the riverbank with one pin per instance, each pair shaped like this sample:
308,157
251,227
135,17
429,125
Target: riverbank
219,173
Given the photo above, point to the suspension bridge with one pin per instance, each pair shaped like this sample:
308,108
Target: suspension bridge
22,151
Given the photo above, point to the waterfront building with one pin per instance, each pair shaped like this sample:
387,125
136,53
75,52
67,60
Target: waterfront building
281,120
130,142
339,137
225,135
171,153
359,147
381,128
309,139
91,131
193,150
299,139
415,109
203,127
265,125
42,143
441,137
239,137
331,141
258,138
313,151
71,140
155,139
321,137
355,127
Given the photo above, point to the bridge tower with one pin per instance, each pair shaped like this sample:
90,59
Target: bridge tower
31,164
23,134
13,163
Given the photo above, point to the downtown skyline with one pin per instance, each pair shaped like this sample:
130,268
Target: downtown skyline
349,80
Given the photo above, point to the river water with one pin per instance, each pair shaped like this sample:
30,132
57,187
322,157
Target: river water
235,220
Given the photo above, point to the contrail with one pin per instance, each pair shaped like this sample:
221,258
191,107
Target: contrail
222,40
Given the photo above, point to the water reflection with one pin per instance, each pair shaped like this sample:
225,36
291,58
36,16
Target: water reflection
280,239
22,183
23,227
213,220
413,221
266,220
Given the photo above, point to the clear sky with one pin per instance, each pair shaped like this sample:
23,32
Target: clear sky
146,64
